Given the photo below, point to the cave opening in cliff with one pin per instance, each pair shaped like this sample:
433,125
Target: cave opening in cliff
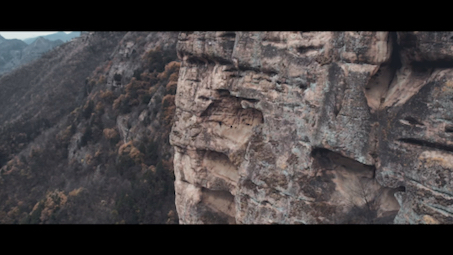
223,92
219,165
424,66
421,64
221,206
329,159
228,34
364,200
449,129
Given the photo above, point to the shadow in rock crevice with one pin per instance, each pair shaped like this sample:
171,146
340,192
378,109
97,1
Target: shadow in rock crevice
353,187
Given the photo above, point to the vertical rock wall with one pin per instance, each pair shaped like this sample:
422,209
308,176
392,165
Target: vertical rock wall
314,127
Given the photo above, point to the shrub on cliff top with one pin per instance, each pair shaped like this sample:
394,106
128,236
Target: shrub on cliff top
168,105
156,59
170,68
171,87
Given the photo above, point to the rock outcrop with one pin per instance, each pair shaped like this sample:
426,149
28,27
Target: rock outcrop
314,127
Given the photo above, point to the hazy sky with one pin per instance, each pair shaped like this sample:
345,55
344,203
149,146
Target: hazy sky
24,34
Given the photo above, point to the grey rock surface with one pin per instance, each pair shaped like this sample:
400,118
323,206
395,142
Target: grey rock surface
314,127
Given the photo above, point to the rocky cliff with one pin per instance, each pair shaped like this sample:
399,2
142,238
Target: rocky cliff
314,127
230,127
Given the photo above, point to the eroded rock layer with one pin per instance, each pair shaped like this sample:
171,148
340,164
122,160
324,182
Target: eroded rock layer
314,127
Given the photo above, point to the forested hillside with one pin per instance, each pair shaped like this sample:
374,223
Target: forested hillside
84,132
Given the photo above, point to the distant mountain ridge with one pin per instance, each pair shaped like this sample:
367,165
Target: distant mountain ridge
14,52
53,37
10,53
37,48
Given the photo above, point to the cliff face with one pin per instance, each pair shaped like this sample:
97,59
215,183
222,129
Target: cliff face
314,127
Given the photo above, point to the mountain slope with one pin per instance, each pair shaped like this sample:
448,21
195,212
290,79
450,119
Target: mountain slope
84,134
37,48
